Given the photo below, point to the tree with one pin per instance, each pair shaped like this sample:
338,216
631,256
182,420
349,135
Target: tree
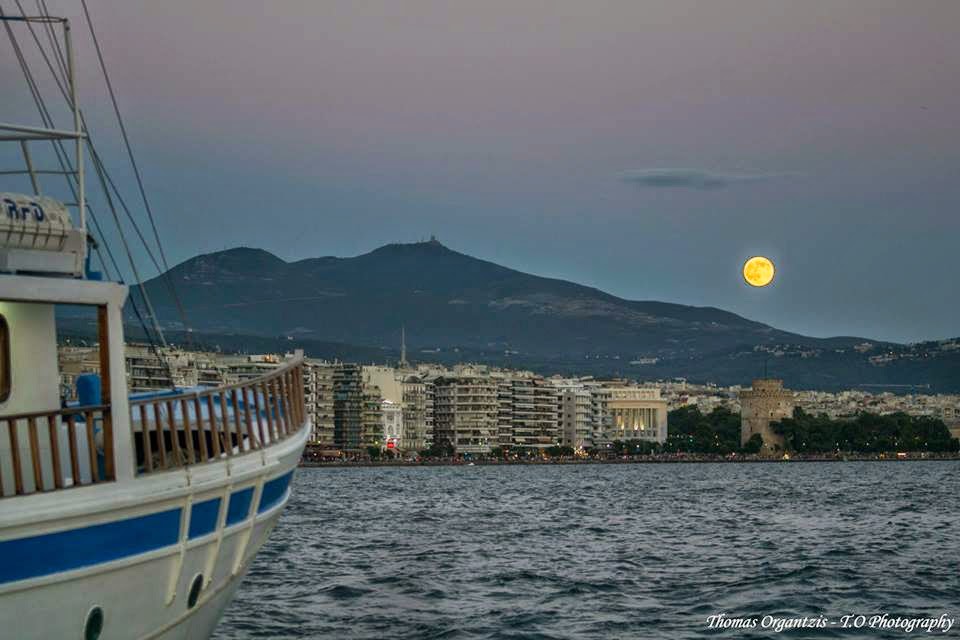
753,445
439,449
864,433
717,432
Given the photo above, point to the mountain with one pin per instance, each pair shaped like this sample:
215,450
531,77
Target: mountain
444,298
449,300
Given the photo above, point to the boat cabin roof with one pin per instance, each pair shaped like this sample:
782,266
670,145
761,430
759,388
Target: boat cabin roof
22,288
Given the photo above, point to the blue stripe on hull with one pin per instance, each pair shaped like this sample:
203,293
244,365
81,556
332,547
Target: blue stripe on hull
203,517
67,550
239,506
273,492
97,544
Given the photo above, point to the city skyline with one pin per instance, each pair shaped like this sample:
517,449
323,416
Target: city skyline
414,407
655,145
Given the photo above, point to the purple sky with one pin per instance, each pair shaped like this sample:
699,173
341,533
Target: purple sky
645,148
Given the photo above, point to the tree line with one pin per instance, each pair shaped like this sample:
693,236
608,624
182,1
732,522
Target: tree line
865,432
718,433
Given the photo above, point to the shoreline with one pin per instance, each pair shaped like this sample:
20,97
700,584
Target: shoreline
637,460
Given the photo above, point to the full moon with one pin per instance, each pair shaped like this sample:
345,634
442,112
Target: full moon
758,271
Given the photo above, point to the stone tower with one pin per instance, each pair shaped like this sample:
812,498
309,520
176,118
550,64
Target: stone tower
766,402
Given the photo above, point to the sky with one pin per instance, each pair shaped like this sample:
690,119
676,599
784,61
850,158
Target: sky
646,148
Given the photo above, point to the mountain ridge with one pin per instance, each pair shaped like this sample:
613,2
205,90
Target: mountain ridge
450,300
439,269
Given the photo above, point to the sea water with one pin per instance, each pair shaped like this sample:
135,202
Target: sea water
606,551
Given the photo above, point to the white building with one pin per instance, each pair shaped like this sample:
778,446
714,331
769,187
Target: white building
637,413
392,419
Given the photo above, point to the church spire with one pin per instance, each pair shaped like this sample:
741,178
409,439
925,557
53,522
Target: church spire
403,347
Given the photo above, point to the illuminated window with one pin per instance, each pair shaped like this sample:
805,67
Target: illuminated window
4,360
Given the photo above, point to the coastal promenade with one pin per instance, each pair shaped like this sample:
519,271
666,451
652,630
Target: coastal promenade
647,459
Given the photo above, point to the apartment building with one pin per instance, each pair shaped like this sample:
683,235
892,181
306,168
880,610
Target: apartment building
348,405
576,417
466,413
318,396
372,432
418,399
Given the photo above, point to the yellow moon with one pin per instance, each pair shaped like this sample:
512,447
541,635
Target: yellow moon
758,271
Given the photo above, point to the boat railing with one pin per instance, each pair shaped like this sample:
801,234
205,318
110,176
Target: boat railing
199,426
57,449
74,446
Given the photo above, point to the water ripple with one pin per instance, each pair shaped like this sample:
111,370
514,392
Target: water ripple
619,551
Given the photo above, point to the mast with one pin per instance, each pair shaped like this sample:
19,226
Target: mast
48,133
77,126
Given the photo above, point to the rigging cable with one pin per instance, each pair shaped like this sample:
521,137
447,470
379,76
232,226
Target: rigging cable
91,146
105,180
48,122
62,157
136,168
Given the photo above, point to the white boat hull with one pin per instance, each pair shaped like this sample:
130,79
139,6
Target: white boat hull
221,512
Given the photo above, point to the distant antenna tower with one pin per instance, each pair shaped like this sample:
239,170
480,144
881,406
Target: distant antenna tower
403,347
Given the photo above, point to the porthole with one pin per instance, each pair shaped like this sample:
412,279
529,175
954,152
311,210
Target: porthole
195,588
94,625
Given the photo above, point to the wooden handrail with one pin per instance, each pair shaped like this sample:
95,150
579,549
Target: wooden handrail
168,430
61,411
270,375
37,462
217,422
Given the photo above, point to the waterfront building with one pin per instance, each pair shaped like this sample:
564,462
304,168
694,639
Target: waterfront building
318,396
147,369
207,370
602,427
347,406
387,379
767,401
580,410
466,413
391,416
545,426
344,402
523,418
371,418
576,417
637,413
504,411
249,367
527,410
417,413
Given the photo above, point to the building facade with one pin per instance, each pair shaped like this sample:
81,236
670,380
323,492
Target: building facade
347,407
318,396
466,413
576,417
391,416
637,413
417,414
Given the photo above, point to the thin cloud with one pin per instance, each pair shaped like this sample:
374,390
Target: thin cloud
690,178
